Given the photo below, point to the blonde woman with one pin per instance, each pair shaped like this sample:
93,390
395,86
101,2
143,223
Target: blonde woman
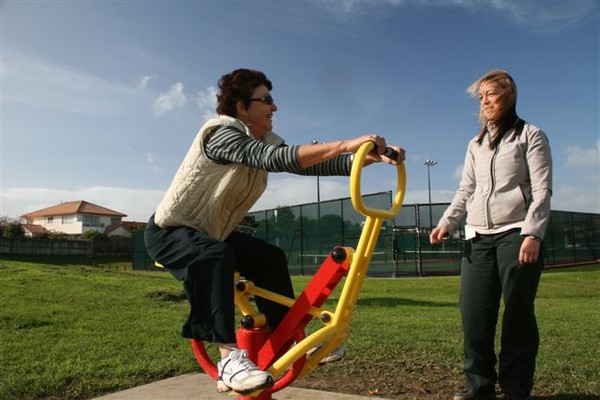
505,195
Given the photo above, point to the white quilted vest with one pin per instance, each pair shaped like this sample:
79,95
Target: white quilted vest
210,197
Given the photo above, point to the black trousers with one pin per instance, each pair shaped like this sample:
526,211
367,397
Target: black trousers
490,269
207,266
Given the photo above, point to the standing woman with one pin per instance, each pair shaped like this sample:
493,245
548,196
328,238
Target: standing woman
192,234
505,193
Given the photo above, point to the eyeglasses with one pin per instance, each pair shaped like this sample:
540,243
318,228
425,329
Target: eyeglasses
268,100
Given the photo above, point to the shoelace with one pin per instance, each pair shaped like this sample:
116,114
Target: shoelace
244,361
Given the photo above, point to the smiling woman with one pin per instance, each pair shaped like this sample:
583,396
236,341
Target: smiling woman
505,195
193,232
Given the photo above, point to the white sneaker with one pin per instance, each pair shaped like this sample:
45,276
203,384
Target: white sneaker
336,355
238,373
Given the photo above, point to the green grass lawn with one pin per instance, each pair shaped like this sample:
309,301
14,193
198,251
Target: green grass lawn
69,331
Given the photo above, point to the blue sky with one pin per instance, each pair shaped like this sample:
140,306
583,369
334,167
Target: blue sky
100,100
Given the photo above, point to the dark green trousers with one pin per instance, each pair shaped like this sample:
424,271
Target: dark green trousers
491,271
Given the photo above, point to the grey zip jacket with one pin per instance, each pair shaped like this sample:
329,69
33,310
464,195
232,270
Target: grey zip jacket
506,187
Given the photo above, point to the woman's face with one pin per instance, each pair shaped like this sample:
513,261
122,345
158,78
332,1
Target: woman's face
259,114
492,99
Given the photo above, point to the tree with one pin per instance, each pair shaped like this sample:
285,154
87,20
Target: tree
11,228
282,225
91,234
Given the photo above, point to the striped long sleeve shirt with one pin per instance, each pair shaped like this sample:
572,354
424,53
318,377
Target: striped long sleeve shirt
228,145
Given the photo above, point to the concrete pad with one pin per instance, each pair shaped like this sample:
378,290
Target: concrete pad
198,386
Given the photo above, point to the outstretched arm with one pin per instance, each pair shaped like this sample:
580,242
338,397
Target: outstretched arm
313,154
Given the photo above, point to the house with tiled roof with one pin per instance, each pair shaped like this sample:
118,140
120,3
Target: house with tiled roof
32,230
74,217
124,228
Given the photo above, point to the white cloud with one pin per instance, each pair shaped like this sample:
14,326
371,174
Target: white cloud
578,157
422,196
151,162
568,198
289,190
457,174
293,190
138,204
539,16
34,82
207,102
170,100
545,16
143,81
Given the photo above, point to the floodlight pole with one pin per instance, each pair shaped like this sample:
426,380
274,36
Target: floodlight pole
430,163
318,206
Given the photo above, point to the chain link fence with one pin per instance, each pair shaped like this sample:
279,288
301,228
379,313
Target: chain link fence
308,232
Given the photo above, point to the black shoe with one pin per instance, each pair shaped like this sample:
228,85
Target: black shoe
468,394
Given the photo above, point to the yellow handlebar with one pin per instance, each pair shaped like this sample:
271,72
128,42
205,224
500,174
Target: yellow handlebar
355,188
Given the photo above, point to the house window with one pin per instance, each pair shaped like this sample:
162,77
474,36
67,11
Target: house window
50,220
115,220
91,220
68,219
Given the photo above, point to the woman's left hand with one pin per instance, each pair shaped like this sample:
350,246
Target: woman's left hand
375,158
530,251
400,155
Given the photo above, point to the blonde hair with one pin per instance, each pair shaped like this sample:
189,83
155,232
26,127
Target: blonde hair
505,81
509,113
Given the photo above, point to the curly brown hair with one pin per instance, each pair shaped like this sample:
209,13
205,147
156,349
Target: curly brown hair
239,86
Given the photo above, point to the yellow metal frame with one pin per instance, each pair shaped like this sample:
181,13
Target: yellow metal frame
336,323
